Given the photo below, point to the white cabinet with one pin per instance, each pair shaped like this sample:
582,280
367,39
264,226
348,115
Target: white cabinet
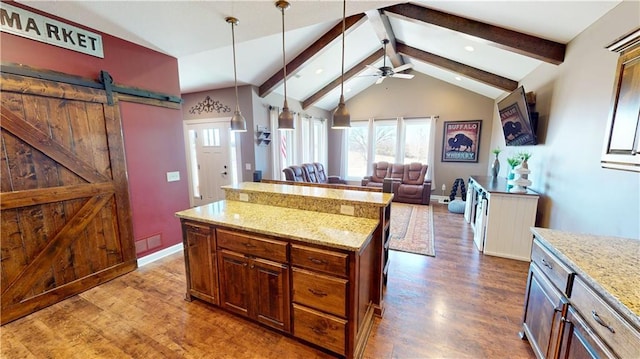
501,220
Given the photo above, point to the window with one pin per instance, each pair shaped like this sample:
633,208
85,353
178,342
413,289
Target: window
357,149
394,140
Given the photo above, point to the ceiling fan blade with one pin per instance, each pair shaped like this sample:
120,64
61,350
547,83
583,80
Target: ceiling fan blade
402,76
403,67
379,81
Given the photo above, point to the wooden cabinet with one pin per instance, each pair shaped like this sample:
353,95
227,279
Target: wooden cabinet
500,220
200,262
255,287
621,148
564,317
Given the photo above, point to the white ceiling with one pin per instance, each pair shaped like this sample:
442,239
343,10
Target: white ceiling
196,33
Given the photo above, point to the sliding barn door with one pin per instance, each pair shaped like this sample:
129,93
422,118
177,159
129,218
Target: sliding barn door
65,214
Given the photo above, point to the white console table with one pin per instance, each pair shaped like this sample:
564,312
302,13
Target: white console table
501,220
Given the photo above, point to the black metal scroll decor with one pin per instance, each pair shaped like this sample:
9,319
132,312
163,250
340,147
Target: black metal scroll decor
209,105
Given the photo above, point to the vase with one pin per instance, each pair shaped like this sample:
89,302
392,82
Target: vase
525,165
510,176
495,167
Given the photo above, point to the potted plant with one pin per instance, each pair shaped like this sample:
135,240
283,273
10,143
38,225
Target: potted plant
513,162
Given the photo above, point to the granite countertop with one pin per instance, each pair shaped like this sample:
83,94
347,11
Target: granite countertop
332,230
380,199
611,265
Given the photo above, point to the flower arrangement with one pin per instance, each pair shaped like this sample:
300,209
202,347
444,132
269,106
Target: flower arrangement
524,156
496,151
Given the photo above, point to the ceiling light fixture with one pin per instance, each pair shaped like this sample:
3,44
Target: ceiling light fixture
469,48
341,116
285,119
238,123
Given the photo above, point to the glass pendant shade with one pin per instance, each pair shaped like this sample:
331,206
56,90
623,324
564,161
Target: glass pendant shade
238,123
341,116
285,119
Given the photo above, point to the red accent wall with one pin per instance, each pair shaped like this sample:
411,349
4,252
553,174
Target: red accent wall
153,137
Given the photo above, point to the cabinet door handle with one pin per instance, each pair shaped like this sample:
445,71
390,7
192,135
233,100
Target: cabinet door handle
317,293
599,320
248,245
546,264
317,261
319,331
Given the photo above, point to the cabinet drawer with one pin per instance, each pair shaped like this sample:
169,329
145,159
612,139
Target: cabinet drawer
254,246
559,274
613,329
322,292
198,228
319,328
318,259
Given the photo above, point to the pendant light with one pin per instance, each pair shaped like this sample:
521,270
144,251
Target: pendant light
341,116
285,119
238,123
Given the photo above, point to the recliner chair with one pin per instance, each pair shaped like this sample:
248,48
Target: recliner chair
381,170
414,188
294,173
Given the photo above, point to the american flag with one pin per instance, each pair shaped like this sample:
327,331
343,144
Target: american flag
283,145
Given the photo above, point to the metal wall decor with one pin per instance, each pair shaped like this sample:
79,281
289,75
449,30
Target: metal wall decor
209,105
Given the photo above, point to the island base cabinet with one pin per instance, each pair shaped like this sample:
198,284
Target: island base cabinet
544,309
579,342
320,328
200,263
255,288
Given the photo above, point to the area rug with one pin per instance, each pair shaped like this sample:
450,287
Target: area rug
412,229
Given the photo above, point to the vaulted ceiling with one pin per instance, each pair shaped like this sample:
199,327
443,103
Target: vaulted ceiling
484,46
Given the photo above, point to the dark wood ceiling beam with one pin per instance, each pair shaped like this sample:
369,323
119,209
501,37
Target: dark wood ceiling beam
485,77
531,46
309,53
347,75
382,27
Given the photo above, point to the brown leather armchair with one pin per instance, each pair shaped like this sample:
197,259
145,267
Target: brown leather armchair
414,187
381,170
322,177
294,173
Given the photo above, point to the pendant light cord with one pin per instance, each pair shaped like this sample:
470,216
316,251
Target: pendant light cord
344,14
284,63
235,74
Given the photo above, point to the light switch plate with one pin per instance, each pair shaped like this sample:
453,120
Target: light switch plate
247,166
173,176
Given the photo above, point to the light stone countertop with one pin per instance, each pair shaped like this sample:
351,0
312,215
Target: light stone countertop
332,230
375,198
611,265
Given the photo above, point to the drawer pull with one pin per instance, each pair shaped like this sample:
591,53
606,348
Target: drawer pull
599,320
546,264
317,261
319,331
317,293
248,245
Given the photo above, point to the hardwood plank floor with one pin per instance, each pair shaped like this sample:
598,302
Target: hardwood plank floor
460,304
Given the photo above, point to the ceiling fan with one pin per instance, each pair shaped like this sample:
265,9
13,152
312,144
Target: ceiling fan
386,71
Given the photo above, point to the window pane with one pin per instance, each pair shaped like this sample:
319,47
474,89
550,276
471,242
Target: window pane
357,151
385,145
416,146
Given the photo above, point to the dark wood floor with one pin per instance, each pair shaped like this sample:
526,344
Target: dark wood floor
460,304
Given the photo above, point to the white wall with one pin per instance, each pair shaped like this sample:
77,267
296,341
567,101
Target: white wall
573,100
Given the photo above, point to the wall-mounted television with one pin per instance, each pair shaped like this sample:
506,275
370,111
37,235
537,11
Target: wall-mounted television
519,123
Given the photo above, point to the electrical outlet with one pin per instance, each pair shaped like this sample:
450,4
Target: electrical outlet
348,210
244,197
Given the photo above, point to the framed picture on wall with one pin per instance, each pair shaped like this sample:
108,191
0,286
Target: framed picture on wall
461,141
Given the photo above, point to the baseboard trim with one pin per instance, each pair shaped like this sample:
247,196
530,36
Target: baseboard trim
160,254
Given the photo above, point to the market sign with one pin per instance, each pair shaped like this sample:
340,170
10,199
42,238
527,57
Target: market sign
27,24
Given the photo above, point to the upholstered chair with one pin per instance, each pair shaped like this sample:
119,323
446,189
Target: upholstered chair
414,187
322,175
294,173
381,170
310,172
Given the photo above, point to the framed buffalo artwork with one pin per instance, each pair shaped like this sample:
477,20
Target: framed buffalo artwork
461,141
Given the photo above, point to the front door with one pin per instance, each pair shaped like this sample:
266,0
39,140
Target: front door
209,160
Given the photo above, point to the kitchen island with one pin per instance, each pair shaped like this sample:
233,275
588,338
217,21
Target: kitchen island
583,296
313,275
